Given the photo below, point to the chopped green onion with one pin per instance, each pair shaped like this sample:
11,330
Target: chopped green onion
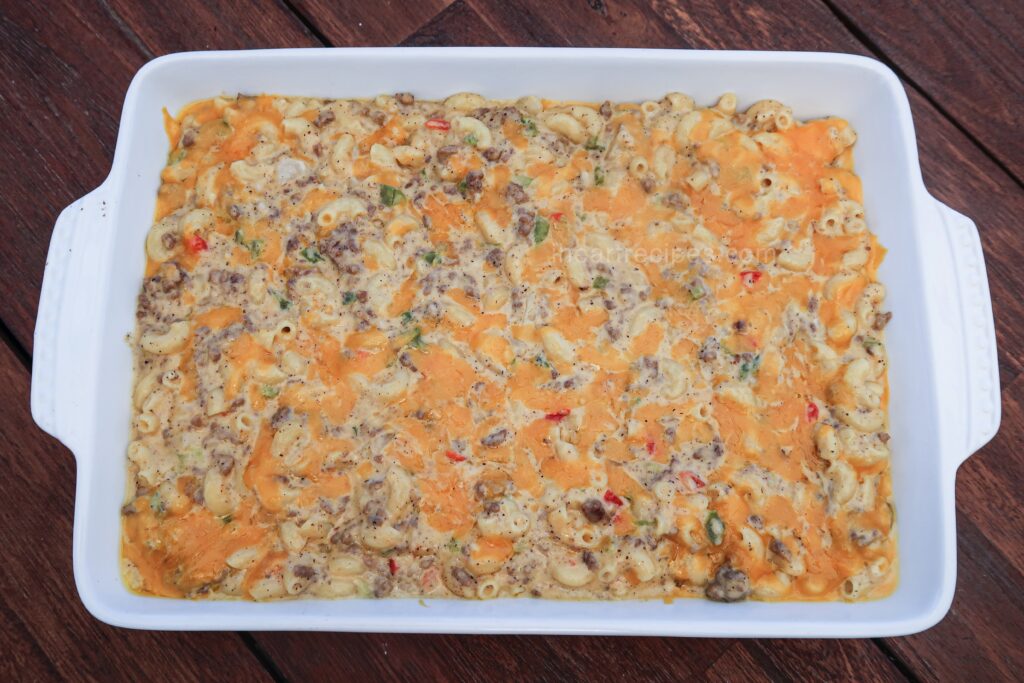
255,247
432,257
281,301
311,254
529,127
416,341
522,180
389,196
540,360
540,230
598,176
470,140
348,297
750,367
269,391
715,528
593,145
406,317
600,282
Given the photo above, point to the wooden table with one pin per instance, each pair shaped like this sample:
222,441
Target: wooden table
66,67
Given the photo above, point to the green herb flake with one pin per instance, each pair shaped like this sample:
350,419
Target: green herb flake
643,522
870,343
463,187
522,180
390,196
696,291
715,528
176,156
255,247
227,519
529,127
311,255
541,227
600,282
453,545
432,257
348,297
599,177
406,317
593,145
470,140
355,430
416,341
284,303
269,391
540,360
750,367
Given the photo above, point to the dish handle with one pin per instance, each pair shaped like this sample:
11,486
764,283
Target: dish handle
67,328
975,366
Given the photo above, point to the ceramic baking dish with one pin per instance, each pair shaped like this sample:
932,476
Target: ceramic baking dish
944,382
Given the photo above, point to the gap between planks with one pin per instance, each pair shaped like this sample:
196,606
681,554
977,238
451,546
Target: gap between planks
261,655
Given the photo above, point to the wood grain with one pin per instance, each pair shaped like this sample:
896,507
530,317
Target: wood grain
459,25
164,27
61,101
45,632
353,23
967,54
63,98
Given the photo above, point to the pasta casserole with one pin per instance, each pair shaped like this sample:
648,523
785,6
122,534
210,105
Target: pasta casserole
477,348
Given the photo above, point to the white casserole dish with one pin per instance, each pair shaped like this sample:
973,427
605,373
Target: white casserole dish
944,381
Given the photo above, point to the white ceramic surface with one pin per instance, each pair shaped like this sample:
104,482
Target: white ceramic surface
943,372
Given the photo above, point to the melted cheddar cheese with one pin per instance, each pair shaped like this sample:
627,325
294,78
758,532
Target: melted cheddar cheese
482,348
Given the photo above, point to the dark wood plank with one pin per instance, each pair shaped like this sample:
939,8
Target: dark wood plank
45,632
353,23
823,660
62,99
980,638
163,27
989,490
457,24
73,130
472,658
966,54
737,664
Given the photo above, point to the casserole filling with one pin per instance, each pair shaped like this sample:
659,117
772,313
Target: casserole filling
480,348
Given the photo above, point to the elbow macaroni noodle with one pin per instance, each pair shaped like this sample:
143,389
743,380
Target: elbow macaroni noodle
482,349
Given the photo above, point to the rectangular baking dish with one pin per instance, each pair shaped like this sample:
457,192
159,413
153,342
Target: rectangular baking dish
944,383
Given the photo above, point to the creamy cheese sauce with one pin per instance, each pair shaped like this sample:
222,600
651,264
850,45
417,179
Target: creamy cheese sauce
480,348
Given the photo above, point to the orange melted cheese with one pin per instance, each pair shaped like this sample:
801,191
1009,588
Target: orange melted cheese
482,349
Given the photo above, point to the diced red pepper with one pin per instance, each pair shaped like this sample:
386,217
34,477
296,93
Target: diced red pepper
437,124
812,412
650,446
557,216
195,244
558,415
610,497
362,353
688,476
454,457
750,277
392,565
